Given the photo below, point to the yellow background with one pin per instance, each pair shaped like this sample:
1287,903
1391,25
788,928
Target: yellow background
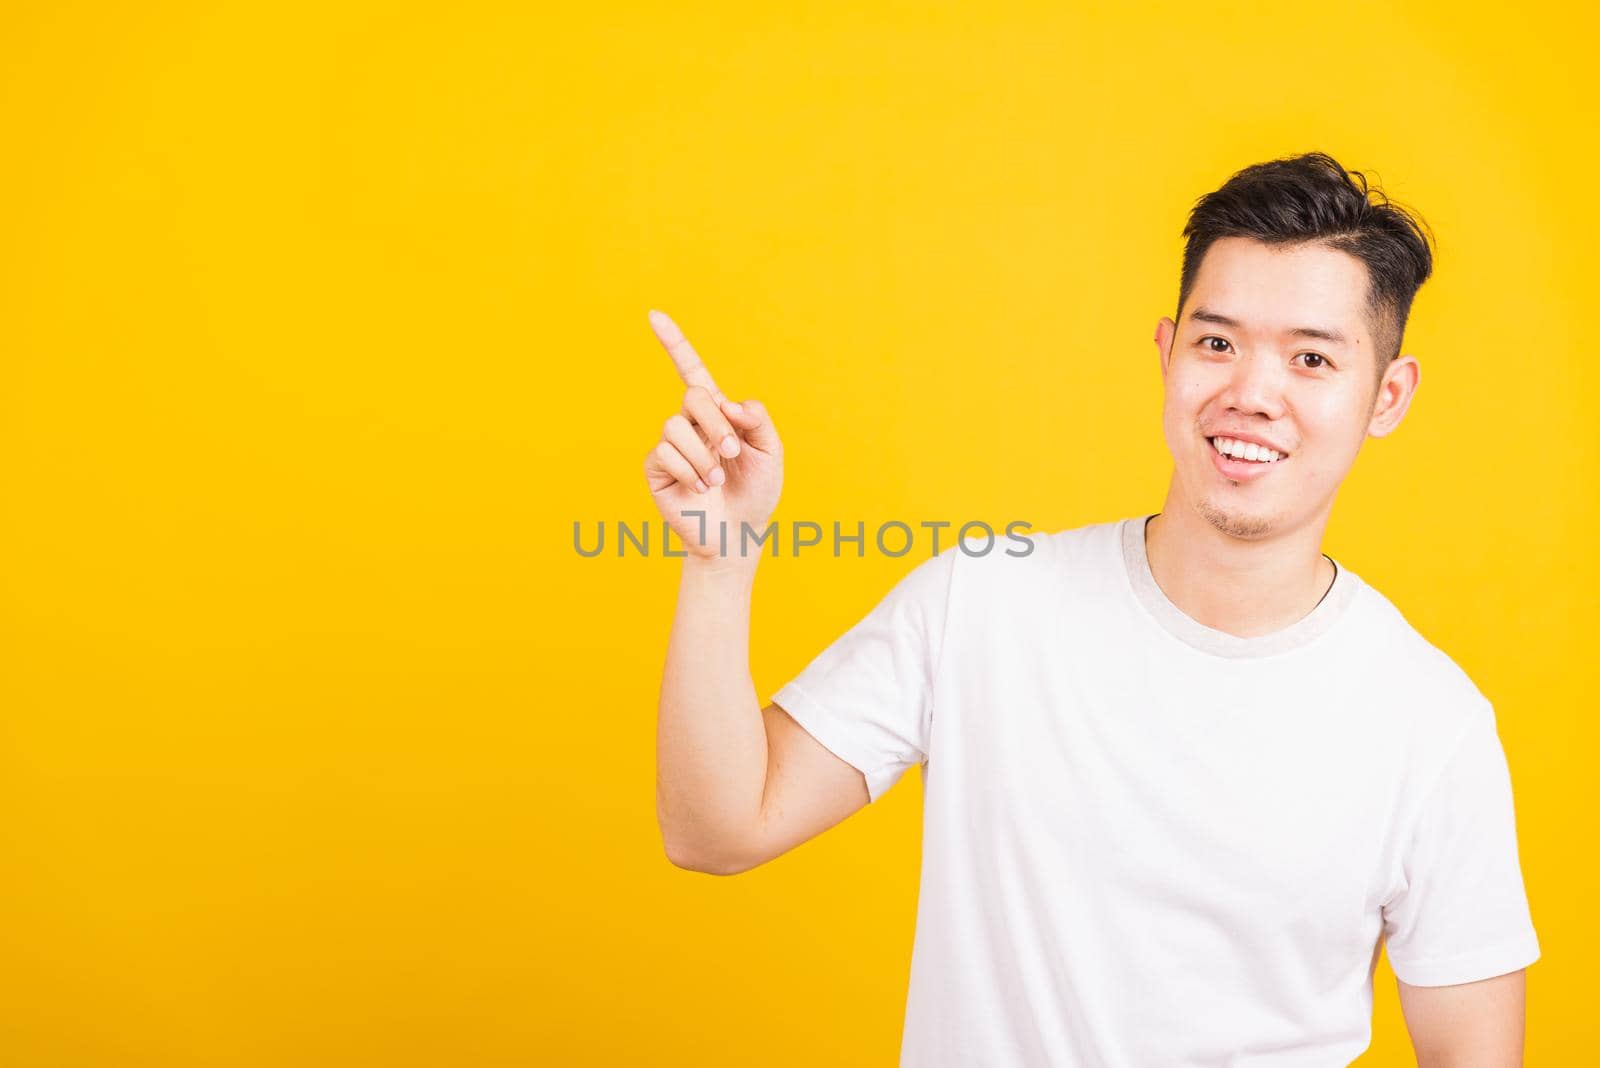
320,325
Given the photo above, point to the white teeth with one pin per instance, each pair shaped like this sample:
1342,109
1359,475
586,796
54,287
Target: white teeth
1246,450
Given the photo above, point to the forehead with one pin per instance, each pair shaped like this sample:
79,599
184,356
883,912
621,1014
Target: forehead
1276,289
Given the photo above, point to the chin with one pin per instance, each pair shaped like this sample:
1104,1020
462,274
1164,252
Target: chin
1236,522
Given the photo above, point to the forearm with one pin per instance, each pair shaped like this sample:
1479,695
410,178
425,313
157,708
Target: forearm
711,743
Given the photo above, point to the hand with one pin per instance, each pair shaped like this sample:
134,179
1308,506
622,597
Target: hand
715,456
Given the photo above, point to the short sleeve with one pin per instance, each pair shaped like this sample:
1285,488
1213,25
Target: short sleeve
1462,912
868,697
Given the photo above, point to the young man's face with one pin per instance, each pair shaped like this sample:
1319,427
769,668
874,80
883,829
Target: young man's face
1254,377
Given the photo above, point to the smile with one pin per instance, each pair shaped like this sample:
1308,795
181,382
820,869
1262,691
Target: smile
1243,461
1245,450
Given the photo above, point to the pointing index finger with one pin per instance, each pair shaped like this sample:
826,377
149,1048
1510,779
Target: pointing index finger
690,367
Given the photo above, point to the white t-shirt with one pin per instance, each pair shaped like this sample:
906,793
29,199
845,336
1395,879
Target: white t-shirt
1150,842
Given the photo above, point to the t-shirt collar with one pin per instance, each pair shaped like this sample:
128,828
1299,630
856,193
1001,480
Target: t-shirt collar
1218,642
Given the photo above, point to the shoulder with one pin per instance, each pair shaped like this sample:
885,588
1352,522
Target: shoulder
1416,680
1019,549
1019,564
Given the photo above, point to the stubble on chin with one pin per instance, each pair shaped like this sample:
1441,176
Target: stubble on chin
1234,524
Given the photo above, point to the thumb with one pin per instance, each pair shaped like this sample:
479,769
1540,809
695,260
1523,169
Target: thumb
754,424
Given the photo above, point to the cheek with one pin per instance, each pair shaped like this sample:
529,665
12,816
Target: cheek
1183,408
1187,391
1188,398
1334,418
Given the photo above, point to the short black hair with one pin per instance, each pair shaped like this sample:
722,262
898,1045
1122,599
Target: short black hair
1312,199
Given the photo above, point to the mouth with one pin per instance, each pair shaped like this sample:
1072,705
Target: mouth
1243,468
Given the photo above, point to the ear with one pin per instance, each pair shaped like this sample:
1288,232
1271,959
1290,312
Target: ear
1166,329
1395,390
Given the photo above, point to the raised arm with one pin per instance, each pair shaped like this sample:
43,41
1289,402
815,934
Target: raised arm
735,784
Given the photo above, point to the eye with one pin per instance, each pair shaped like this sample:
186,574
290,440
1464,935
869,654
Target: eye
1322,361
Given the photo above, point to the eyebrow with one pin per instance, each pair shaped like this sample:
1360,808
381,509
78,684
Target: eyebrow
1205,315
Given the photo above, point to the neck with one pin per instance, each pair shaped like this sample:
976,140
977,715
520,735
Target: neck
1244,587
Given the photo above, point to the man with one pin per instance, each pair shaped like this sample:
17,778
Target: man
1184,772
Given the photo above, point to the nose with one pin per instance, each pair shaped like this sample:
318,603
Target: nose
1255,386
